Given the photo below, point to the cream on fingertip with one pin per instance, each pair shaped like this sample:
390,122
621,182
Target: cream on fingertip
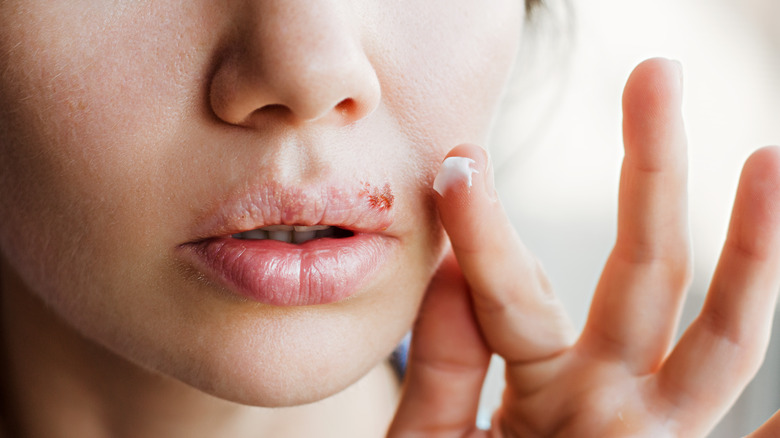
452,171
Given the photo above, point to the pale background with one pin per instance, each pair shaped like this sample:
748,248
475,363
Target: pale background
561,186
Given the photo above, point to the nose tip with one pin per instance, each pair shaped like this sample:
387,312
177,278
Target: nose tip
343,89
300,68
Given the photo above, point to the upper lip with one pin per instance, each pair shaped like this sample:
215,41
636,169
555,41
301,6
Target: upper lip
345,205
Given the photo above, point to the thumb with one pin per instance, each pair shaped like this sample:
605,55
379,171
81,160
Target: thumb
447,362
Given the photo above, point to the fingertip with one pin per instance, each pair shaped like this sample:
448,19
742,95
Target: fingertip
465,168
653,128
467,202
655,78
765,163
756,214
455,174
654,82
469,150
761,176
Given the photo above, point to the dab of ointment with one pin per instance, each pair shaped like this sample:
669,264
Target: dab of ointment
453,170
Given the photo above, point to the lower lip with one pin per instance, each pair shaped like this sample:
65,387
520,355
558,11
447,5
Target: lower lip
320,271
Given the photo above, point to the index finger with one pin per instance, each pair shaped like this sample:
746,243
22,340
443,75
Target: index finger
519,315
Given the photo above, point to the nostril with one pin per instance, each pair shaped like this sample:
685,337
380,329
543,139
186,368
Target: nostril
346,107
275,110
275,107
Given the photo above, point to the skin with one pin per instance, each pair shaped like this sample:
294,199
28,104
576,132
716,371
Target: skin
622,376
122,125
113,117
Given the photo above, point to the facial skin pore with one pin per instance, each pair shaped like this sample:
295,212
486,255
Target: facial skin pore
124,125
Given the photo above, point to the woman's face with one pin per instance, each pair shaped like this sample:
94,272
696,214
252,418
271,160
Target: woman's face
141,142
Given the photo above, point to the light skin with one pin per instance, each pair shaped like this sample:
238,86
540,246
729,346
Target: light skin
122,125
622,376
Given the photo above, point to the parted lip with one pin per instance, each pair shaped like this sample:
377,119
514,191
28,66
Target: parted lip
318,271
360,207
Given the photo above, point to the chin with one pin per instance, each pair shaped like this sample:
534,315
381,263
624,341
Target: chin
286,382
260,355
287,357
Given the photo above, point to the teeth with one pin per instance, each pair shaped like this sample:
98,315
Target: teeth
281,235
330,232
311,227
295,227
303,236
278,228
255,235
288,233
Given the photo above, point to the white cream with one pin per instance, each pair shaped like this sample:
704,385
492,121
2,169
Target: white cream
452,171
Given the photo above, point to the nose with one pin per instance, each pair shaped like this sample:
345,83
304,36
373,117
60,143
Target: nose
298,59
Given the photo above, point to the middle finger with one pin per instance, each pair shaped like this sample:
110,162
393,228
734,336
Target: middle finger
640,294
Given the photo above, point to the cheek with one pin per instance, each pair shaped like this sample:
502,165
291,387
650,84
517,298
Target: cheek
450,62
85,100
443,66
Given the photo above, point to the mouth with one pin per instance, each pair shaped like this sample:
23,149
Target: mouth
297,234
283,246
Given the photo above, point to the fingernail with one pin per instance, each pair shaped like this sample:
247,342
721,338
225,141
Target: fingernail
454,170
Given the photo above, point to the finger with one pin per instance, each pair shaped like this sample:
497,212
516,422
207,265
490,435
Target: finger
770,429
447,363
517,311
721,351
641,290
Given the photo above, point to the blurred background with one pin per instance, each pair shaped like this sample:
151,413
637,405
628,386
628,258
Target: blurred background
558,145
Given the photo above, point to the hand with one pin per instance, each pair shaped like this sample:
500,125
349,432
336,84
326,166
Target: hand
622,376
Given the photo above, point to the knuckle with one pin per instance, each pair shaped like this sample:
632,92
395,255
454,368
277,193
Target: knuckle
745,345
672,261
